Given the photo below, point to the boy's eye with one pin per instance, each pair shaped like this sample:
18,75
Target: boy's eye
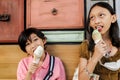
101,15
27,44
35,39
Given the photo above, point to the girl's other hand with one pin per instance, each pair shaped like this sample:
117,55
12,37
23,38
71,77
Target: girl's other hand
100,49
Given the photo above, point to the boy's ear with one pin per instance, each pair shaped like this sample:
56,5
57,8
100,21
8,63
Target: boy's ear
44,41
114,18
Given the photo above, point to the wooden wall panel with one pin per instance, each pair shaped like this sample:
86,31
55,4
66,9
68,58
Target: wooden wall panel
11,55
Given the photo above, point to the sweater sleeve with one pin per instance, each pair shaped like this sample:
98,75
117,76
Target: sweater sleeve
84,53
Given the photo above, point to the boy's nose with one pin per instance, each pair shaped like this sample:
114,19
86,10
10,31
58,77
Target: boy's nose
32,46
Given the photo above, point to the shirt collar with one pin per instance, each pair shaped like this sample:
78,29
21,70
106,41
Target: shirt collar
46,61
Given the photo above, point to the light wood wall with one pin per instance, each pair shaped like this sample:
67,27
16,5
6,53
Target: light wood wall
10,55
9,58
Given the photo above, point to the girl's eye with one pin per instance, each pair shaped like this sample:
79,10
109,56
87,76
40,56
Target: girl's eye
92,18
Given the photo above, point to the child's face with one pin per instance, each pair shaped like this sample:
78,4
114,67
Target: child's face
34,43
101,19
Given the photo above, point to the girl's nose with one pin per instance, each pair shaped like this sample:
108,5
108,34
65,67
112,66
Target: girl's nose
97,20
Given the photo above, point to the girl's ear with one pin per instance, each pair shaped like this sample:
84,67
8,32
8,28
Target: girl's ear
114,18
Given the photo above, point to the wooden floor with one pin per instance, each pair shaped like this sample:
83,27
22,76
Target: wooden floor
11,55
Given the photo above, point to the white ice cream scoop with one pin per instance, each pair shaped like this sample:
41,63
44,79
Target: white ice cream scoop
37,54
96,36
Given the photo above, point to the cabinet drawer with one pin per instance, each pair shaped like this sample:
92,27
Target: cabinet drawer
11,20
55,14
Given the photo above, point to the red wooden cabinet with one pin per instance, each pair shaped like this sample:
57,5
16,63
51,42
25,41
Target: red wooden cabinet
11,20
55,14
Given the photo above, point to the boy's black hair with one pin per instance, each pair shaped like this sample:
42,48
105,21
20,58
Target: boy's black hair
25,35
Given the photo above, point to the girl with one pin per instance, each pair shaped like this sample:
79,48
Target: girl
93,63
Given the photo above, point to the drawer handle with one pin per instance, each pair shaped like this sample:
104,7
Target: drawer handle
5,17
54,11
